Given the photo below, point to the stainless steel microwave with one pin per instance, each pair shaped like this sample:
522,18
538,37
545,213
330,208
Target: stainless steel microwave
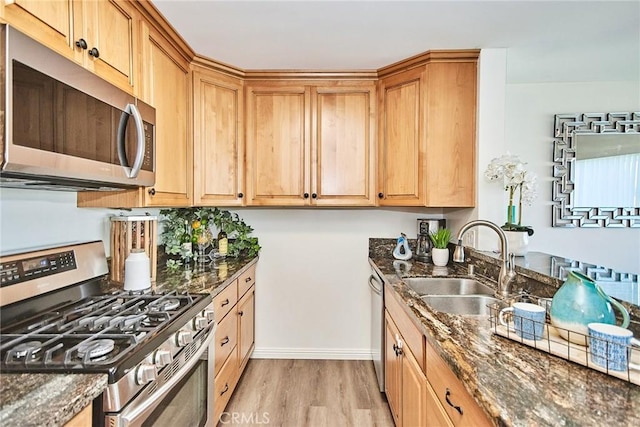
67,129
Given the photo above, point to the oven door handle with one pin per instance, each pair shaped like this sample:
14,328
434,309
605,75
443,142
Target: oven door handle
136,413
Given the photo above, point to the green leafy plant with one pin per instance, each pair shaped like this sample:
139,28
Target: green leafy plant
178,223
440,238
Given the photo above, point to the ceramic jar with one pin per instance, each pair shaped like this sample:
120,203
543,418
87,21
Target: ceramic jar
518,242
137,275
580,301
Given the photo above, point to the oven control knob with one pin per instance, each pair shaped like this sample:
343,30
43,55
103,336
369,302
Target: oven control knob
199,323
209,315
183,338
145,373
162,358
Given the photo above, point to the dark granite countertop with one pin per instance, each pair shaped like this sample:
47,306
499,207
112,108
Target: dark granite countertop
46,399
514,384
53,399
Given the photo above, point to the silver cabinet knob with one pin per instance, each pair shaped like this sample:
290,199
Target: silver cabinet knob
162,358
145,373
199,323
183,338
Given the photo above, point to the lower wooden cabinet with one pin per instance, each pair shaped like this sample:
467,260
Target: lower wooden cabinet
414,392
246,326
82,418
393,369
421,388
234,309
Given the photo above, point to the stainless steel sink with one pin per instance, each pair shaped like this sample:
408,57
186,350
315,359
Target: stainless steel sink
471,305
447,286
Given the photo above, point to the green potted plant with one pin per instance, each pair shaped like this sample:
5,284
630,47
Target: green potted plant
183,227
440,252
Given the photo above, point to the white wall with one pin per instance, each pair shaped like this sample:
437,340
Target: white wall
312,297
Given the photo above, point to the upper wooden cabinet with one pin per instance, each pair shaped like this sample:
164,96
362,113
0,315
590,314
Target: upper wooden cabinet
401,164
343,145
167,87
427,134
99,35
310,144
278,145
218,162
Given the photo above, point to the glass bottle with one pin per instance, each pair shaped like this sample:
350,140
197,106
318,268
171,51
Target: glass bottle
186,244
223,243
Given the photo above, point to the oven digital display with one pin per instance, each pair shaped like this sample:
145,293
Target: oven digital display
35,264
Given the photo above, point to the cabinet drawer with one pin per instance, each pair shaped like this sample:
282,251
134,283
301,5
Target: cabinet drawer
446,385
246,280
412,336
224,385
226,339
225,300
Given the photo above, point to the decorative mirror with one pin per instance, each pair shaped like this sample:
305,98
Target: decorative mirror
596,170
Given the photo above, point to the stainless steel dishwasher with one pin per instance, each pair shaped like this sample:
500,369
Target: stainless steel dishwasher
376,285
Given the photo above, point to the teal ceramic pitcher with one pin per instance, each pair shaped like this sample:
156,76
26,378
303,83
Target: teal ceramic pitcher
580,301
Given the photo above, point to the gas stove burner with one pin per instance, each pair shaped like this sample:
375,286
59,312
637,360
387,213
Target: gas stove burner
132,321
96,348
165,305
22,349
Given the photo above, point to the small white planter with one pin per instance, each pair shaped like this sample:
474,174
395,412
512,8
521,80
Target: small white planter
440,257
518,242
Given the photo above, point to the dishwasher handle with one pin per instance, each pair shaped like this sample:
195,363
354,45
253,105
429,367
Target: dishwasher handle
375,284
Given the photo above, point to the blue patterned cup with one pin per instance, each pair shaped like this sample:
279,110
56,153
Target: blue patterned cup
528,320
610,346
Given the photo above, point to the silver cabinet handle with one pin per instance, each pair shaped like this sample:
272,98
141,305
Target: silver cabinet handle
131,110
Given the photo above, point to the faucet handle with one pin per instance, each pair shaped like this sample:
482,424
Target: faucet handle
512,261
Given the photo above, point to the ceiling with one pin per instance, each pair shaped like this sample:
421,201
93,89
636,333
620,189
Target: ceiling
352,35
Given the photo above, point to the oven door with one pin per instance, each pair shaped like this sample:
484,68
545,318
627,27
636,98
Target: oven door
185,400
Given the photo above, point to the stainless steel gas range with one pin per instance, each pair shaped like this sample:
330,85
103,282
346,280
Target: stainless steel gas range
156,348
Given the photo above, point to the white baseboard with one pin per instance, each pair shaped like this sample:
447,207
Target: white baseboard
312,353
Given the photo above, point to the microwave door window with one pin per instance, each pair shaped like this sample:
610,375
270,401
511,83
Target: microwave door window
85,125
33,114
52,116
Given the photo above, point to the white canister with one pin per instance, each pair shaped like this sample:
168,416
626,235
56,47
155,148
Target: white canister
137,272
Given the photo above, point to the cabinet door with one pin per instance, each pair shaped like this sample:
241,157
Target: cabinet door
218,145
393,370
451,134
401,168
343,146
50,22
246,327
277,145
109,27
414,392
167,89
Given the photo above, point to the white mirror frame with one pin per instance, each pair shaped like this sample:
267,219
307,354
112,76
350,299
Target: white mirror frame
566,126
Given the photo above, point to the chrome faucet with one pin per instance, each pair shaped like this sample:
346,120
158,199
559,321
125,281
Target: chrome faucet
507,273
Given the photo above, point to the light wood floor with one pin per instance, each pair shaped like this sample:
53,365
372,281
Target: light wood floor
308,393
